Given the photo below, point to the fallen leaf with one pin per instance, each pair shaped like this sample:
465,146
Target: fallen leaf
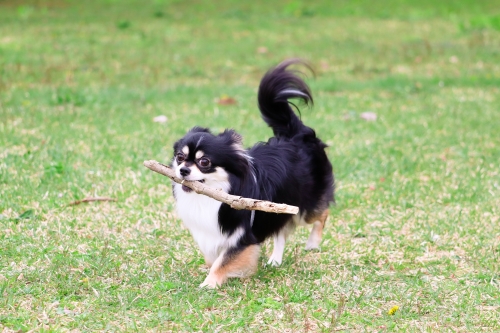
262,49
160,119
368,116
226,100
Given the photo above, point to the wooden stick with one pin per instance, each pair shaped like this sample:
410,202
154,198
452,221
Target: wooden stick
90,199
218,194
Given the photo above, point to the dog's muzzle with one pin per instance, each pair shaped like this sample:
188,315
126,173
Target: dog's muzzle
187,189
185,171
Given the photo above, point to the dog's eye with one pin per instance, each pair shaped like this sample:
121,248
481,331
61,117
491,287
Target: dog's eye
204,162
180,157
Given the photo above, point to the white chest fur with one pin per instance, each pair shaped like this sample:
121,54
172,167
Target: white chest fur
200,214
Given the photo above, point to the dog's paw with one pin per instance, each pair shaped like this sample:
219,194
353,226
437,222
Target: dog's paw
310,246
274,262
210,283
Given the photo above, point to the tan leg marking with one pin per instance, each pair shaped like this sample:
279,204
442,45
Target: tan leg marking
317,230
240,264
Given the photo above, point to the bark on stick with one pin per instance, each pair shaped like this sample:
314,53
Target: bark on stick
234,201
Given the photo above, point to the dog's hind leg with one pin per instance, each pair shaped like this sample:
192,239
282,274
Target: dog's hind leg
240,261
317,231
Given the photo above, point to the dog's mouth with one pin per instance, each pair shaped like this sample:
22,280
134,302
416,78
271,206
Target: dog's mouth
187,189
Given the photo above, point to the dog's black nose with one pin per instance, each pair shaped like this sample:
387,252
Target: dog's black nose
185,171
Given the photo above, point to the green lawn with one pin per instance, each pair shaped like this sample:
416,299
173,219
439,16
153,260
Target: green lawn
417,220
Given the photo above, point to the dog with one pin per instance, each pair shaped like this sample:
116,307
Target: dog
291,167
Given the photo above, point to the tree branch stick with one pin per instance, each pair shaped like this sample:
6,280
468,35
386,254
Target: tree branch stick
218,194
90,199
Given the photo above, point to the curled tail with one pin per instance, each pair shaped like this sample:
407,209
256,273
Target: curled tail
276,87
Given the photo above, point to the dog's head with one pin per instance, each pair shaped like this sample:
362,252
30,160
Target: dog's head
207,158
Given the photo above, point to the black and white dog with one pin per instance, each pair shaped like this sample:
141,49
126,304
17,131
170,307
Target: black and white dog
292,168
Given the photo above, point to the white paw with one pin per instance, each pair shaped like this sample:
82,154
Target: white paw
274,261
312,246
210,282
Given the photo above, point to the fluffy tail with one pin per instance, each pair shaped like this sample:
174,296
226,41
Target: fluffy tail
276,88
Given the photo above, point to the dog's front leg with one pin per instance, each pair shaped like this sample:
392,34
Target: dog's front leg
240,261
279,247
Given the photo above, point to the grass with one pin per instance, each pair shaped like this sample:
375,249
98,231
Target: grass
416,223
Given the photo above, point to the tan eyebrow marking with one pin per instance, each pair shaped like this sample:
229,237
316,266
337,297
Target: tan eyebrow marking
199,154
185,150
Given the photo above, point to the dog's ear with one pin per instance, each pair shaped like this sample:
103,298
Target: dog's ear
232,136
198,129
177,146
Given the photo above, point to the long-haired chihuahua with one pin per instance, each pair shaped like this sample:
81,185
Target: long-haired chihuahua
291,168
